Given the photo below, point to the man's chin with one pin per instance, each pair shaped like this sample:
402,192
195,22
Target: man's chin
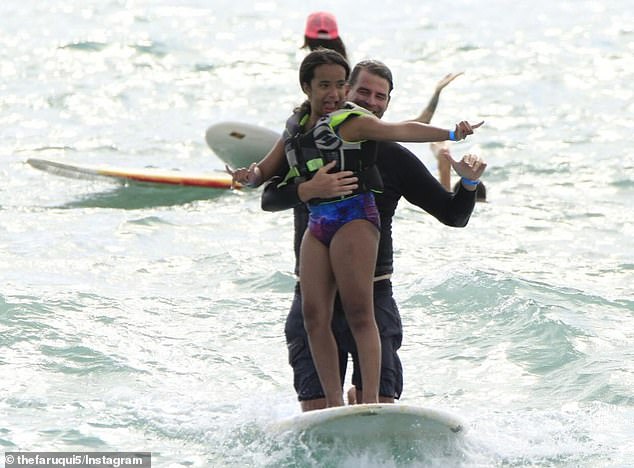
378,113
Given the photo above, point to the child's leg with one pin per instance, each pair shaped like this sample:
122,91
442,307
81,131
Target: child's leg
318,294
353,253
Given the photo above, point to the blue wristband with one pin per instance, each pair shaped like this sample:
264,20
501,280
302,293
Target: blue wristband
452,135
469,182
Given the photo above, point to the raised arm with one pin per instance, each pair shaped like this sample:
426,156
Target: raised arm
426,115
439,149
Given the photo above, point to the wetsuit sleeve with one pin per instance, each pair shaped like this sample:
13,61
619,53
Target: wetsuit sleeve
422,189
277,196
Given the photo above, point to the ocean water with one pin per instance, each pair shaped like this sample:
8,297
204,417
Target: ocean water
151,319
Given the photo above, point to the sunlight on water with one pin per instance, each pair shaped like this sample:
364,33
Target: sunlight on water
144,317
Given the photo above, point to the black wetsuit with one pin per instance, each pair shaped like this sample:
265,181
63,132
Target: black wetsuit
404,175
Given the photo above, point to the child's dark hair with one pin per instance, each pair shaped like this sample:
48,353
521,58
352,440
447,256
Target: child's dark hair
312,61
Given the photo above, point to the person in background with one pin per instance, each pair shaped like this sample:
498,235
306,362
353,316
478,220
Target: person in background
322,31
404,176
441,150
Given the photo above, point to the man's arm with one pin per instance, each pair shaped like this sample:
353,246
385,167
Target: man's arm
279,196
411,178
276,198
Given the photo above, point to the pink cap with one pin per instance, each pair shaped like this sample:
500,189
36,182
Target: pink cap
321,25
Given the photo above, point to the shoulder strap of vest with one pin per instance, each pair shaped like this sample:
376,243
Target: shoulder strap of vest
294,123
324,134
292,129
349,109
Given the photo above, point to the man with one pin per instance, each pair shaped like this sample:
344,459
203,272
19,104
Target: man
403,176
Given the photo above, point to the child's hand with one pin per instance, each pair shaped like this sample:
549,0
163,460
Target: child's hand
251,177
464,128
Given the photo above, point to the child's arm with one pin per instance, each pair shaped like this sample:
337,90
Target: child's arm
260,172
371,128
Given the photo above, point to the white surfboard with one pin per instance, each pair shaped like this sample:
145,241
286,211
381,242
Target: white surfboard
216,180
373,423
239,144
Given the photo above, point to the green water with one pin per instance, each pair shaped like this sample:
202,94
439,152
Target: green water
151,319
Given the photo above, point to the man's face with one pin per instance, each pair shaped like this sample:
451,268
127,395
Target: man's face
370,91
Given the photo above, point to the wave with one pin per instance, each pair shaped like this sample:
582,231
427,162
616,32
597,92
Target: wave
559,344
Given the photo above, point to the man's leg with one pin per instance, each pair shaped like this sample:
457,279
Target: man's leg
305,379
388,321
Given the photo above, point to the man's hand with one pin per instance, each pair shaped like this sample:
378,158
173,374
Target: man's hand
328,185
470,166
